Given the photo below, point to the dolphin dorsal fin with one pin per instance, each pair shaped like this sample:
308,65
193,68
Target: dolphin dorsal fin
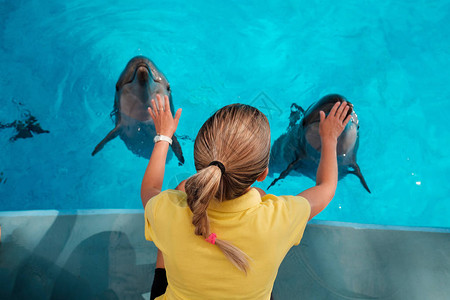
297,112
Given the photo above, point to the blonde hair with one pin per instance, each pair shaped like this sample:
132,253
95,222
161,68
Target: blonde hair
238,136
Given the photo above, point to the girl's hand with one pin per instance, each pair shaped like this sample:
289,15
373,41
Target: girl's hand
165,124
333,125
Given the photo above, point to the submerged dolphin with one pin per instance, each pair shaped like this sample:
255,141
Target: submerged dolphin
140,82
25,128
298,150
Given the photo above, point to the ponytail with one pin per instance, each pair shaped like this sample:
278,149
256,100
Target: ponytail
200,189
230,151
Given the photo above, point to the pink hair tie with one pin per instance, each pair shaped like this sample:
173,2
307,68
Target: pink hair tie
211,238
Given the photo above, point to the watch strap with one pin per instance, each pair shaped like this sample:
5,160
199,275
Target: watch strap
160,137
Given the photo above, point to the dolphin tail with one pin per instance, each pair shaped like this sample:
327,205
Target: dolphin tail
111,135
357,172
176,148
285,172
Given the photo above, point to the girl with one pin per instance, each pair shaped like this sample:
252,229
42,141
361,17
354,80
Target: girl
221,238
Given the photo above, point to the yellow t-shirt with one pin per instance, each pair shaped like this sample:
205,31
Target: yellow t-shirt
265,228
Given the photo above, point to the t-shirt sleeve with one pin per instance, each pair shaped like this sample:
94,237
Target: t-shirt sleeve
150,213
299,211
295,212
156,215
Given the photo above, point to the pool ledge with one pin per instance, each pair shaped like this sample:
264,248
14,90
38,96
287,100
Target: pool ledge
24,213
99,254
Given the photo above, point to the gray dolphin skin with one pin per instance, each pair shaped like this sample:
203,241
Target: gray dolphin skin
139,82
298,150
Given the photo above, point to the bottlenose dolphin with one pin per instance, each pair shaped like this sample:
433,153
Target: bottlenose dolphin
139,82
298,150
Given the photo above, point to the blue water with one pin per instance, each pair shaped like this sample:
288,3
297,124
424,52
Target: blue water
60,61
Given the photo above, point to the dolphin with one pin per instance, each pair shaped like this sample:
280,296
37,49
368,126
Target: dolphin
25,128
298,150
139,82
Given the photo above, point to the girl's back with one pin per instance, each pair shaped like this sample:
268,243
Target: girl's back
264,228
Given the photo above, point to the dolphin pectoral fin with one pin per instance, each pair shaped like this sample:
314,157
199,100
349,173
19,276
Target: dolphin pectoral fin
111,135
357,172
176,148
286,172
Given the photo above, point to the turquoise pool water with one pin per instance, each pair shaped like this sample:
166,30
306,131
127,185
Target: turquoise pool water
60,62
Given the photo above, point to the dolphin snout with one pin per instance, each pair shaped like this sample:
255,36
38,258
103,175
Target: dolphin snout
142,73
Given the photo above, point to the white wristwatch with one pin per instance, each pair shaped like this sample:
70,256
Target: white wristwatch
160,137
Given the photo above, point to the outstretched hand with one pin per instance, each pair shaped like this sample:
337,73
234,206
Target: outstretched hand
161,115
333,125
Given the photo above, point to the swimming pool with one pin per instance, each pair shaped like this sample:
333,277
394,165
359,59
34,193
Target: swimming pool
60,63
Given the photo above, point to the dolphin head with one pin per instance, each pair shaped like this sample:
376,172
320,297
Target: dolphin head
348,139
139,82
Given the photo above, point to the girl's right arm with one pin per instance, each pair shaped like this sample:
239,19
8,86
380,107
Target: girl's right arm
330,128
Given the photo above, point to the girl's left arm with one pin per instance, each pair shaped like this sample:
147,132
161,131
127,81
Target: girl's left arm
165,125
